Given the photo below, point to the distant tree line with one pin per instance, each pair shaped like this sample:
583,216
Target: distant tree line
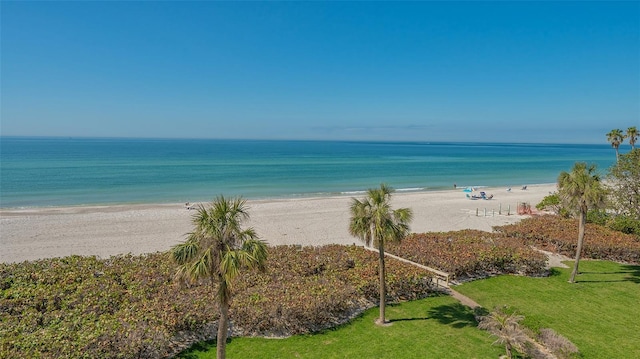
620,207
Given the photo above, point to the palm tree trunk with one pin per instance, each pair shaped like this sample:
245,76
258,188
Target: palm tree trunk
223,324
223,321
383,288
582,224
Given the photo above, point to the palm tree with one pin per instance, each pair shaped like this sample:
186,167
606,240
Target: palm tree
632,135
580,190
615,137
506,328
218,249
374,222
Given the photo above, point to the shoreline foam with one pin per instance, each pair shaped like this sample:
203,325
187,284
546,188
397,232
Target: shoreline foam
105,230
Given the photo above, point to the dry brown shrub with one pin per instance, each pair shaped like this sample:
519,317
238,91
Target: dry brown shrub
559,345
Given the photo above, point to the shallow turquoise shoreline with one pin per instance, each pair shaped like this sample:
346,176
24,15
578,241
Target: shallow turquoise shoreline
45,172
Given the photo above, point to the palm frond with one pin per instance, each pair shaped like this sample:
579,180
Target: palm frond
505,327
257,249
403,215
373,219
238,236
230,265
201,267
219,247
181,274
360,219
185,252
581,188
248,234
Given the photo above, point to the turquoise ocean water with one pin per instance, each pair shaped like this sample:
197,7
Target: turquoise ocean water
40,172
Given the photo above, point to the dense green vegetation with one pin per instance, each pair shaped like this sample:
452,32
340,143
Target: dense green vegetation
621,209
624,186
599,313
437,327
131,306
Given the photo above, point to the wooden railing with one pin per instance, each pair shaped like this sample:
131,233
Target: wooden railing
437,274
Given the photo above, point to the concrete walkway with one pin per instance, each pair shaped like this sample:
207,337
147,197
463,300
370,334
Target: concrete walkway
463,299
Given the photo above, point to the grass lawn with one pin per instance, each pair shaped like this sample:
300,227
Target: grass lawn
600,313
437,327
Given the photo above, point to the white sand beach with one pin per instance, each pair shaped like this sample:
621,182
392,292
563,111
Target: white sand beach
28,234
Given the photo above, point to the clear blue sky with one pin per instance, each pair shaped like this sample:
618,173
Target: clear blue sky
415,71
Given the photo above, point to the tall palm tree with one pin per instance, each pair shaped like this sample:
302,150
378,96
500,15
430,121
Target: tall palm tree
580,190
374,222
218,249
632,135
615,137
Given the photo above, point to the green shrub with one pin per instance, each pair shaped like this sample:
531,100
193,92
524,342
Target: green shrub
620,223
625,224
550,203
598,216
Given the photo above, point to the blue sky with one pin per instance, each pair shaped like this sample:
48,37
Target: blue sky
410,71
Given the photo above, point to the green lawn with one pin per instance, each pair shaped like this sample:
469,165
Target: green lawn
436,327
600,313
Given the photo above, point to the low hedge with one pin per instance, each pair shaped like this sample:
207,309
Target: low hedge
469,254
560,235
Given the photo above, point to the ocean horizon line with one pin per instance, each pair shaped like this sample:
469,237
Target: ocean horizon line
364,141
